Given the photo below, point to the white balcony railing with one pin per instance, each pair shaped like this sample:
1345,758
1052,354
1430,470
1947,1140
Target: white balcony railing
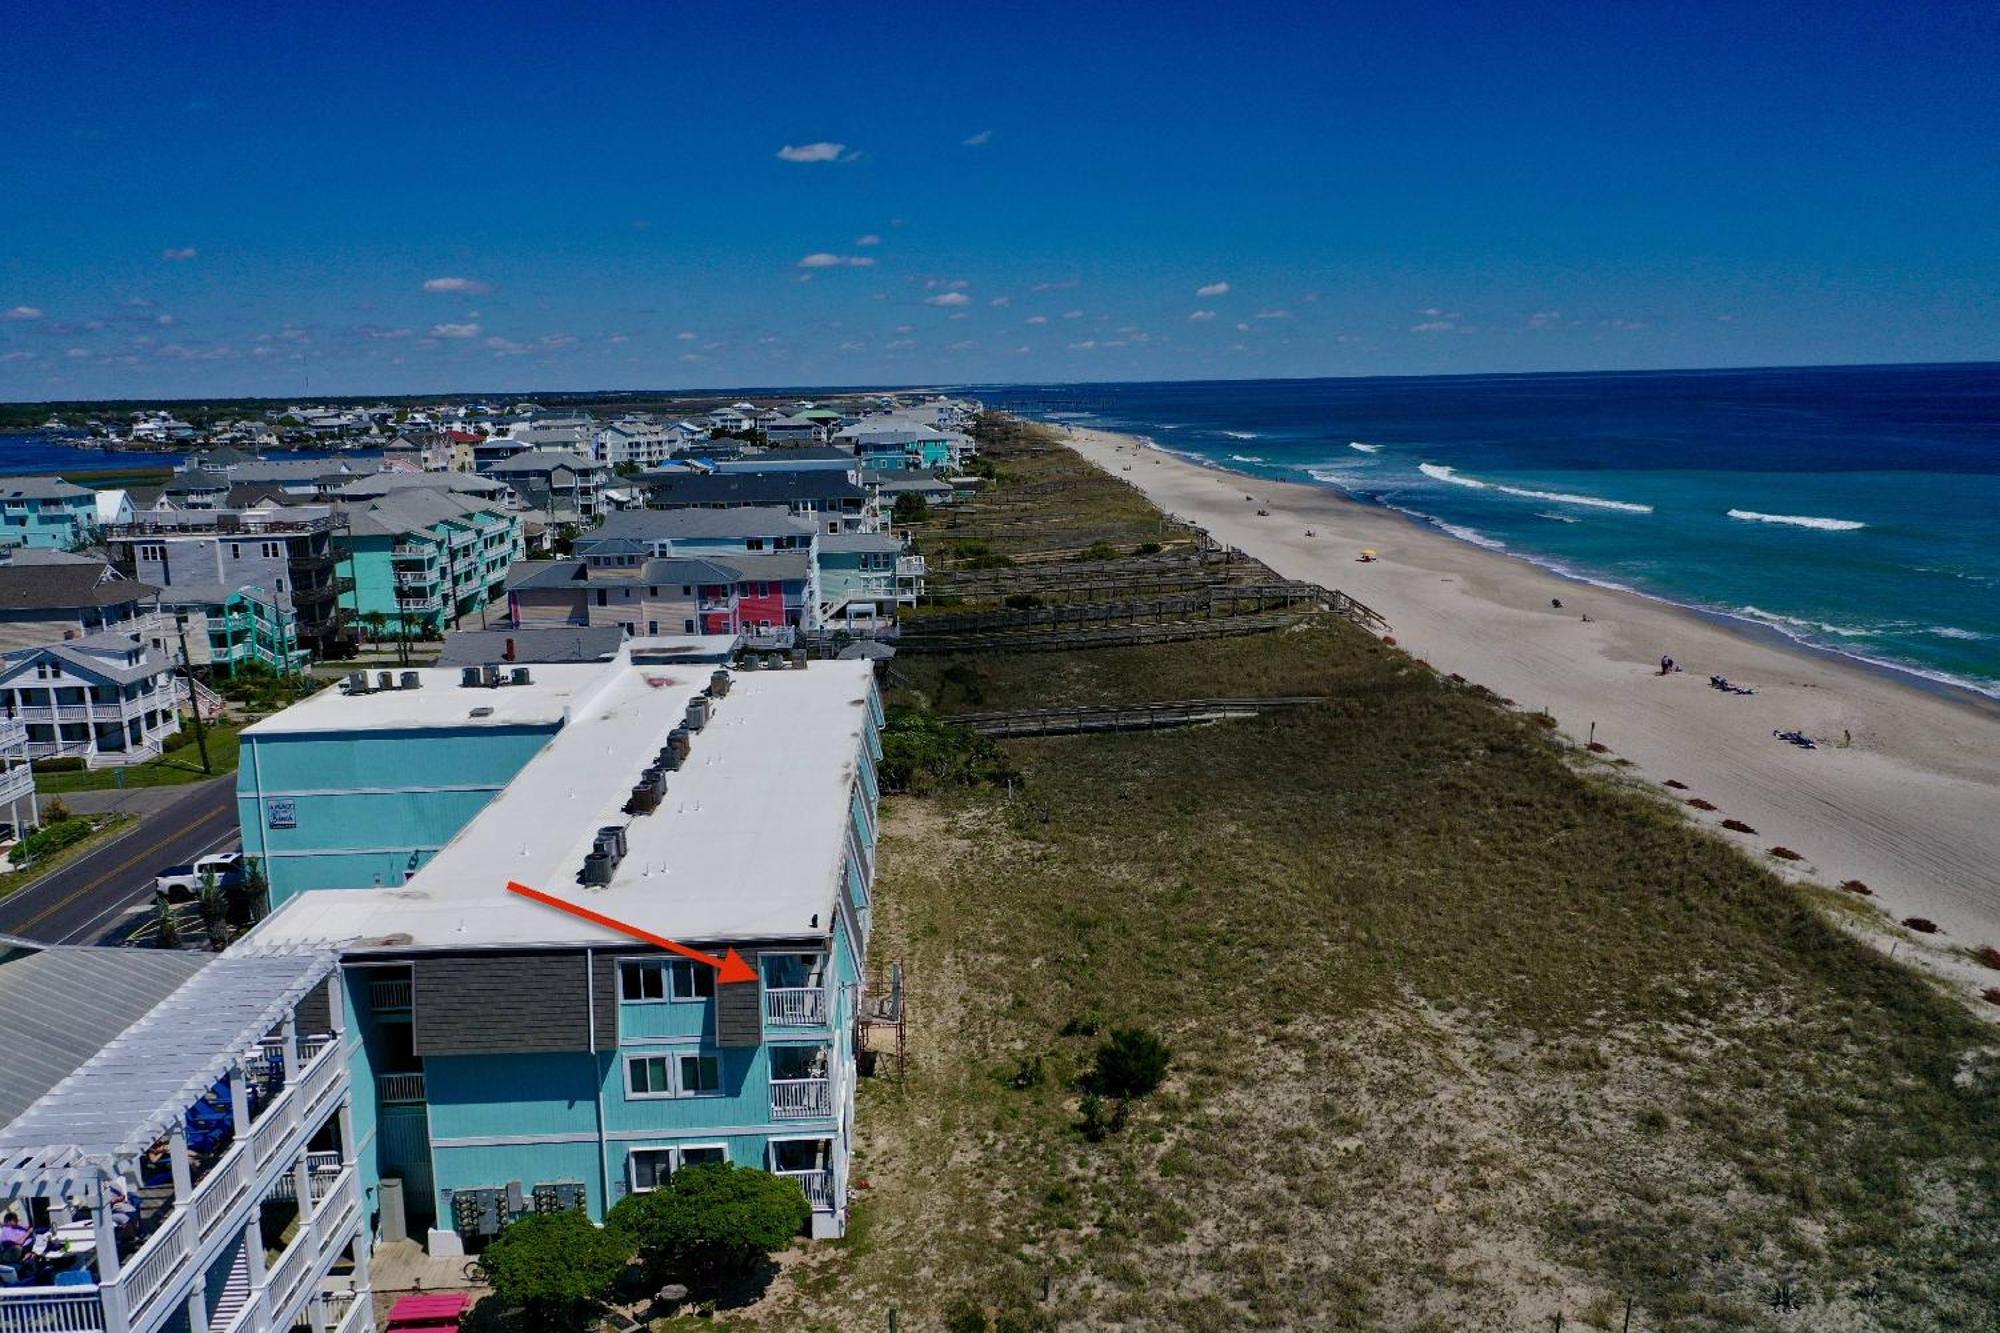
818,1186
801,1098
51,1310
16,783
795,1006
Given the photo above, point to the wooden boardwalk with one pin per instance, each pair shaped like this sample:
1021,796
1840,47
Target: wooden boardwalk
1079,719
1112,636
1219,599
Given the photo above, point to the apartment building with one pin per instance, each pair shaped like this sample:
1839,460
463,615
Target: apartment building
424,556
754,792
159,1138
561,485
245,584
108,698
832,501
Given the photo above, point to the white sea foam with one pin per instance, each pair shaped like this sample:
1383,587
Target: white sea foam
1798,520
1472,535
1810,626
1559,518
1364,448
1245,458
1439,472
1241,434
1954,632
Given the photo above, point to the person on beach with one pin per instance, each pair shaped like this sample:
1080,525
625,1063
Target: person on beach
1667,666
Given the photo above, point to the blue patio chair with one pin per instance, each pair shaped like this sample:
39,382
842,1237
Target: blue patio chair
10,1276
75,1277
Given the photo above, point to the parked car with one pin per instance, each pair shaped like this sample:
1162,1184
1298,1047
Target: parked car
183,883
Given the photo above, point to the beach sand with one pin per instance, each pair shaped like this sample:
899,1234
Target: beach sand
1911,807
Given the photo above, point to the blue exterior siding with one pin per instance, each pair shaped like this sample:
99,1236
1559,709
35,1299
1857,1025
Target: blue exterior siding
368,809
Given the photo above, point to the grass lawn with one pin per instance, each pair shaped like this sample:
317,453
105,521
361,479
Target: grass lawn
181,763
108,828
1463,1038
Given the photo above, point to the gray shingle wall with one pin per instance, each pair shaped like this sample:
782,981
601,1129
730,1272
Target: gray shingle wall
739,1011
605,995
489,1004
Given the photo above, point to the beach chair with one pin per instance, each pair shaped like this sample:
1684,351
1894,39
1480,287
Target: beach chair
75,1277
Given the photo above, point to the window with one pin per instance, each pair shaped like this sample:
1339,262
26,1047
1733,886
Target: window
156,551
701,1075
666,978
687,627
647,1076
236,550
687,590
662,1076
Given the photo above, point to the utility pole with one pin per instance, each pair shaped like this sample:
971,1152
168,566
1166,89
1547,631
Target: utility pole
194,702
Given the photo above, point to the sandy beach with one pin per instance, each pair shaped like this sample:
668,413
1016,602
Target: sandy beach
1903,793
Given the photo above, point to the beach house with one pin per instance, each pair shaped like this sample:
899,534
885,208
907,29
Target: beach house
107,698
423,556
46,512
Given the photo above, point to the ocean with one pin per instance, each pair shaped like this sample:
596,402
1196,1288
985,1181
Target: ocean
1855,509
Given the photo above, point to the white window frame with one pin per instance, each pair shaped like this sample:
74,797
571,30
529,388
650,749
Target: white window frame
675,1160
676,1089
672,971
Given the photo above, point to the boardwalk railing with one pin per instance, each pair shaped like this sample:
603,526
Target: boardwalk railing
1215,599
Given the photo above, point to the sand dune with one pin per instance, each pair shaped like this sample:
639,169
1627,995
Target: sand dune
1910,805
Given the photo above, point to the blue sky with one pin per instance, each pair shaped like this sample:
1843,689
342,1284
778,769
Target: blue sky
364,198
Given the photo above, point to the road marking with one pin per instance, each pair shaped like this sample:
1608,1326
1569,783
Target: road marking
152,850
127,906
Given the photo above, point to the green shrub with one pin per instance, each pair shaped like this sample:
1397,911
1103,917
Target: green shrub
52,837
1131,1064
1099,551
712,1222
555,1267
919,747
910,508
61,764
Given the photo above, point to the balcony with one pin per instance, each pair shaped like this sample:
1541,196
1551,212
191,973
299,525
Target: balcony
795,1007
410,551
818,1186
16,783
801,1098
409,578
391,995
418,603
402,1087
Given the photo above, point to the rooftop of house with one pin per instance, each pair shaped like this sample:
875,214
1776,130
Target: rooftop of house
750,488
415,509
748,843
867,543
541,461
41,488
109,655
531,644
693,524
32,586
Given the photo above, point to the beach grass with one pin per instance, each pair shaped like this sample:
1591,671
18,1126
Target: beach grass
1465,1036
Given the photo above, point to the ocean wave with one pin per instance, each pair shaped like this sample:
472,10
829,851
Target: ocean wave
1245,458
1559,518
1954,632
1473,535
1241,434
1439,472
1779,619
1798,520
1364,448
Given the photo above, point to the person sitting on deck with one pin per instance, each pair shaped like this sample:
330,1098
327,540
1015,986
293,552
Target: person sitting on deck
14,1232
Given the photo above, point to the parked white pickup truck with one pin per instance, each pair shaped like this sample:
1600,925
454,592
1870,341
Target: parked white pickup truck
181,883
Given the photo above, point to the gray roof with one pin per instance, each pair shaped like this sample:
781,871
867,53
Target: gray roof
61,587
414,510
667,524
305,469
540,643
125,1096
45,555
871,542
101,655
768,565
667,489
40,488
59,1005
540,460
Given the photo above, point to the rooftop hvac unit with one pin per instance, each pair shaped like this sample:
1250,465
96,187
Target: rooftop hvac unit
668,759
774,662
749,662
718,684
411,680
697,714
521,676
489,676
357,682
798,659
598,868
468,677
680,741
385,680
645,799
611,838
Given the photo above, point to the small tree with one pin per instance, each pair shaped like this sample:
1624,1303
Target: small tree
555,1267
910,508
166,926
249,894
712,1222
214,911
1131,1064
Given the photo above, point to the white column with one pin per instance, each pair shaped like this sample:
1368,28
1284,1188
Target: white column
239,1101
177,1155
107,1235
197,1309
289,1033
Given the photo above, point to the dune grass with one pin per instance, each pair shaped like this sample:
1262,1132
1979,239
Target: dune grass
1464,1038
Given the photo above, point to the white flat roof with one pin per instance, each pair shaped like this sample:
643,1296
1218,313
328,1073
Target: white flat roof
748,844
439,701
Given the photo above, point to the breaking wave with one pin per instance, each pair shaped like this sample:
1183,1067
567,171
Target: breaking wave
1364,448
1439,472
1798,520
1241,434
1245,458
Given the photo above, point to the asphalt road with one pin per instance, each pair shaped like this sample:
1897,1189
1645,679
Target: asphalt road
81,902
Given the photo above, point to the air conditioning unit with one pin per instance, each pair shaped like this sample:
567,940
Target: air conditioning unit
598,869
357,682
385,680
681,741
718,684
489,676
521,676
697,714
469,677
411,680
798,659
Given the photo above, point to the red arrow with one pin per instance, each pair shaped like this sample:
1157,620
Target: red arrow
729,968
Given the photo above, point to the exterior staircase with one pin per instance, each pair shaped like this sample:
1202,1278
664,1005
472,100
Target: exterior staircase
235,1294
202,697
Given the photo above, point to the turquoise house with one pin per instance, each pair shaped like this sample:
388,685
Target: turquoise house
524,1057
47,512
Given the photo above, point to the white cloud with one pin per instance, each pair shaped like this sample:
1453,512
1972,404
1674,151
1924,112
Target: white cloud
1055,286
555,340
1243,328
686,337
1212,289
948,298
906,328
1038,319
870,239
947,284
454,330
1201,315
1432,312
854,347
812,152
958,314
898,345
1545,319
1433,326
505,347
22,312
983,137
1083,346
1274,314
1072,314
17,356
76,353
825,260
1001,301
469,286
962,345
625,338
1627,324
178,254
